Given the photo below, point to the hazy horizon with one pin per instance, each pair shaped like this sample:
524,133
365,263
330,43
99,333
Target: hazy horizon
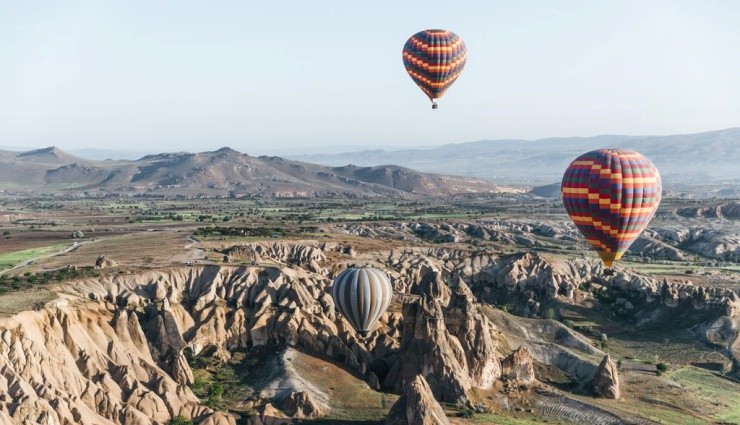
186,76
98,153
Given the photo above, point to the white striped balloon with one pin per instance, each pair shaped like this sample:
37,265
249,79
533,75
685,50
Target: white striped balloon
362,295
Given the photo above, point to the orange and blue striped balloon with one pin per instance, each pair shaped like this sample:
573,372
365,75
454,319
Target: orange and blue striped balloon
434,59
611,195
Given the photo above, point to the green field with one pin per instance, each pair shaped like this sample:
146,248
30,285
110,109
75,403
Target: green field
716,390
12,258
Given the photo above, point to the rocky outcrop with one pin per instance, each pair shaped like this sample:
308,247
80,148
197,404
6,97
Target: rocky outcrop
218,418
551,343
180,369
435,233
730,210
103,262
659,243
302,405
269,415
113,375
724,333
115,346
655,249
526,281
606,379
127,336
447,341
417,406
716,242
308,256
283,386
518,367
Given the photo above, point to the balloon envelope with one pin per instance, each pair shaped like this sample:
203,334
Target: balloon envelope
362,295
434,59
611,195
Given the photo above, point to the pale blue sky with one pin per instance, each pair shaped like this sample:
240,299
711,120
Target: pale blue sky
269,76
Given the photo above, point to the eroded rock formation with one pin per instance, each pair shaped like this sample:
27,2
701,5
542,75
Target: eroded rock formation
518,367
606,380
103,262
447,341
417,406
302,405
113,349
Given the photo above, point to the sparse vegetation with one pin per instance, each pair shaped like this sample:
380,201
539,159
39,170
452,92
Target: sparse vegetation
180,420
153,234
551,314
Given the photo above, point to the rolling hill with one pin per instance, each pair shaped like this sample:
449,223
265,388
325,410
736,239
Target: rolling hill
224,172
710,157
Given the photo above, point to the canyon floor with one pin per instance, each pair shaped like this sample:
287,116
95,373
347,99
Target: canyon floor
218,311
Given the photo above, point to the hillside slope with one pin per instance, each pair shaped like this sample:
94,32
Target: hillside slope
689,158
224,172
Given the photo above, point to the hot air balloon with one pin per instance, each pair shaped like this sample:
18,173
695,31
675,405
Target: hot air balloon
611,195
434,59
362,295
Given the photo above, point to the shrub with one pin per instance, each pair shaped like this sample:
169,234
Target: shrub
661,368
180,420
199,387
466,412
215,395
551,314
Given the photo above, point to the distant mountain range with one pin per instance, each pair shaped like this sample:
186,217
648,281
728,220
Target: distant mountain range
702,158
224,172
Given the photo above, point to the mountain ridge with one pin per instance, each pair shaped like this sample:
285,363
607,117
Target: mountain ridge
223,172
684,158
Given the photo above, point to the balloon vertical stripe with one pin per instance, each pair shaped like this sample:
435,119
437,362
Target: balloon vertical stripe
611,195
362,295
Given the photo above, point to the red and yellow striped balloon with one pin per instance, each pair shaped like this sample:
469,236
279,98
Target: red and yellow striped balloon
434,59
611,195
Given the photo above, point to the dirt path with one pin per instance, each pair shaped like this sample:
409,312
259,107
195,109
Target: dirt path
192,254
22,264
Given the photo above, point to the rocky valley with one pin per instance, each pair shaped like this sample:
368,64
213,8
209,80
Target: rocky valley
120,349
494,318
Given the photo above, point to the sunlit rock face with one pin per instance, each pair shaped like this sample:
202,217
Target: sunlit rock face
606,379
447,341
112,350
417,406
